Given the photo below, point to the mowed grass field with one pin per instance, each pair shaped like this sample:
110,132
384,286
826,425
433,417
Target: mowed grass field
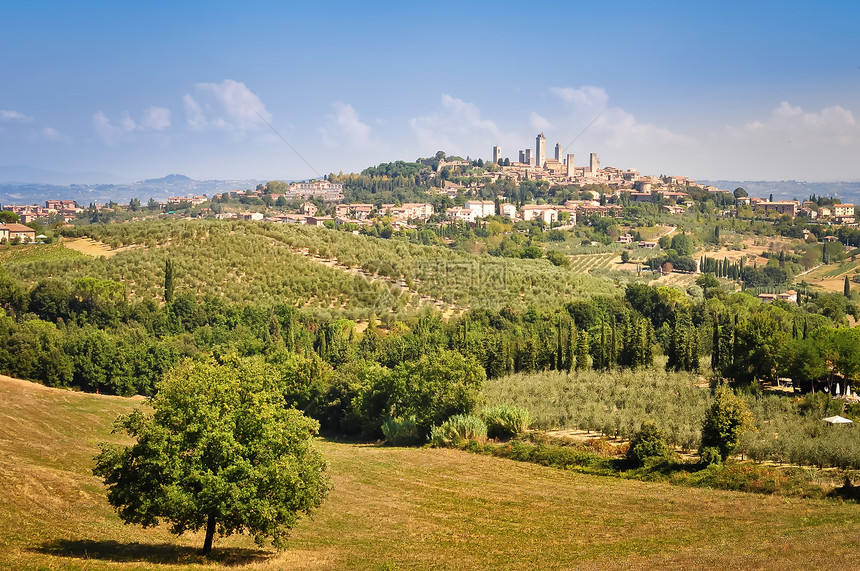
400,508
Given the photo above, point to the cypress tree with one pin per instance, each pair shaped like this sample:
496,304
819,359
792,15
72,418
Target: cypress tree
648,344
168,281
715,350
559,353
582,351
571,347
694,351
846,289
613,347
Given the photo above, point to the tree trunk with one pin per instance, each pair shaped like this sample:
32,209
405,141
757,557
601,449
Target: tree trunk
210,533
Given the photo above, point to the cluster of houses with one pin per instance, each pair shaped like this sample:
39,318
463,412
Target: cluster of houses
836,213
324,190
548,213
27,213
195,200
357,214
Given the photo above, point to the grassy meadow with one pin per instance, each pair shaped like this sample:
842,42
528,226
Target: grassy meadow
399,508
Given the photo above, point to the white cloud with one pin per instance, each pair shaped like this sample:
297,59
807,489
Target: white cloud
228,105
586,96
9,115
831,126
193,113
157,118
792,143
344,124
109,133
51,134
457,125
539,123
609,127
127,122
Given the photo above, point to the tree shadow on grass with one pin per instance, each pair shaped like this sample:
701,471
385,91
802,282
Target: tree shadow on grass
164,553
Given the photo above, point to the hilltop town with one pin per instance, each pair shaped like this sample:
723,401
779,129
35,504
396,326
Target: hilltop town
460,190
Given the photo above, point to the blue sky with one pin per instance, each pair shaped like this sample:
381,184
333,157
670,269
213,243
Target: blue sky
720,90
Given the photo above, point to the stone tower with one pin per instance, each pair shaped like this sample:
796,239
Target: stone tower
594,164
540,150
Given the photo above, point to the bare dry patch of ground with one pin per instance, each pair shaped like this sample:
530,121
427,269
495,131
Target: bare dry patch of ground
94,248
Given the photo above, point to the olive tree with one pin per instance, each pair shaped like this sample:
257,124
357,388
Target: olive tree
218,449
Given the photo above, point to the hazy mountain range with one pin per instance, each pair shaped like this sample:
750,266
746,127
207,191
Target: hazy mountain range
84,194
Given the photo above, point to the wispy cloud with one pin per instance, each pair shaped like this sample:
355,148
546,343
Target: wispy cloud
832,125
456,125
51,134
613,126
156,118
9,115
115,132
538,122
345,126
112,133
583,97
228,105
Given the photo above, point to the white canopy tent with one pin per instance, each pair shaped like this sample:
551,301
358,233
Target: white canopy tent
837,420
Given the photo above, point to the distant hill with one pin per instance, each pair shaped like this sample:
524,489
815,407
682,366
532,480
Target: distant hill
84,194
788,189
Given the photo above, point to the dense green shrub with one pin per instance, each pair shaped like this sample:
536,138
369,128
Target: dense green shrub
401,431
648,444
506,421
710,455
458,429
547,455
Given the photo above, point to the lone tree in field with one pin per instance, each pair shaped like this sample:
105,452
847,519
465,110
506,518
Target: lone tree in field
725,422
219,450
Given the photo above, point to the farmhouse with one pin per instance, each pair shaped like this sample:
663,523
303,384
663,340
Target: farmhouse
12,231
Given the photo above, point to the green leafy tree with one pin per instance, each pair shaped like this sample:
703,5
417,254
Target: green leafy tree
682,244
434,388
9,217
558,259
220,449
725,422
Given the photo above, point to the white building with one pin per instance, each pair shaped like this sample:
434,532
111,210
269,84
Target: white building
461,214
483,208
535,211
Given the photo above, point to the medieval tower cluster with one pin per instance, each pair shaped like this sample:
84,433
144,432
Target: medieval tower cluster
556,164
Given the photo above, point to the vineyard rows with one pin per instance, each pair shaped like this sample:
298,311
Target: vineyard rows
585,263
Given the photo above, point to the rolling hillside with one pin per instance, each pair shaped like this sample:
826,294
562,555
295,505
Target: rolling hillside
309,267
